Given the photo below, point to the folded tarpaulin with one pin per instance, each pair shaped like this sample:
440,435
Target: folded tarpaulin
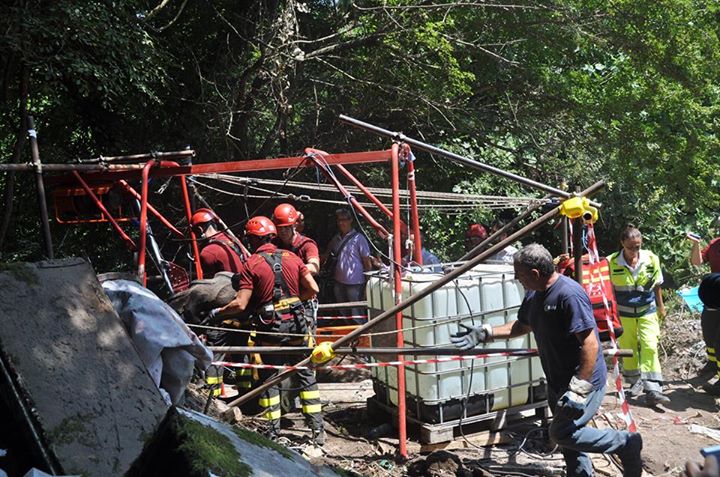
691,298
165,344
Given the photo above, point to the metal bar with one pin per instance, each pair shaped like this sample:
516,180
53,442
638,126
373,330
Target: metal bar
414,298
578,249
414,216
193,237
112,172
155,248
38,167
439,351
325,168
143,221
365,190
126,238
397,272
347,304
129,189
142,157
398,136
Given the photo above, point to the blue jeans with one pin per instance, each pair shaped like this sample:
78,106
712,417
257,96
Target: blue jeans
345,293
575,438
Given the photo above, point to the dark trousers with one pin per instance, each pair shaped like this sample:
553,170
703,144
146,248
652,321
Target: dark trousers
710,323
309,394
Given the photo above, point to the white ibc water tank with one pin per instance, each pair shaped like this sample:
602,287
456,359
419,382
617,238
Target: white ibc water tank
487,294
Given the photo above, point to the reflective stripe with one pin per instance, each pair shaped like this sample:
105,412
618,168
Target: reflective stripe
310,394
272,415
710,350
311,408
243,372
712,358
269,402
216,391
213,379
635,311
245,385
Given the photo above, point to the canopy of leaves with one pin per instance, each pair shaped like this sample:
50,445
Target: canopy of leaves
562,92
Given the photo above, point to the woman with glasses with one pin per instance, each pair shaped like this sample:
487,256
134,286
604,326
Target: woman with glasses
637,278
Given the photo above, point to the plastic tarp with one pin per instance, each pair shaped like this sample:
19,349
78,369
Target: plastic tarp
167,347
691,298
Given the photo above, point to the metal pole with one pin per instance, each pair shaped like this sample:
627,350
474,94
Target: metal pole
397,272
347,195
104,211
141,157
440,351
565,243
128,188
193,237
143,221
578,249
37,165
414,215
398,136
458,272
364,190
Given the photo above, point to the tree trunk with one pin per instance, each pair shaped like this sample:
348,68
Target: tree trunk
9,193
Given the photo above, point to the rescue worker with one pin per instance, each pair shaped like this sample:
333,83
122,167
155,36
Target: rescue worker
637,278
273,285
285,218
219,253
475,234
558,312
710,317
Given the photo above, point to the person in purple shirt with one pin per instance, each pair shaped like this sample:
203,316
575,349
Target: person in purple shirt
558,312
349,253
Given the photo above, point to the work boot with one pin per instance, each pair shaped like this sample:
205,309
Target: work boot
653,398
631,457
712,389
318,437
635,390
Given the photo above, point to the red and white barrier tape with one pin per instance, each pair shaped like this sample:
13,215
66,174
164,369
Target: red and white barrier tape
340,317
594,258
444,359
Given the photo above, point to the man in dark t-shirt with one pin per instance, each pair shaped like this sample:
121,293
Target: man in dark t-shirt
558,311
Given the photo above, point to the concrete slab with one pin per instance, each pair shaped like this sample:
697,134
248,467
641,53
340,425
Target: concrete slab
75,364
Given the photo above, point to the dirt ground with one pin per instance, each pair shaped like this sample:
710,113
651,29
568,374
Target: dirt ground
366,445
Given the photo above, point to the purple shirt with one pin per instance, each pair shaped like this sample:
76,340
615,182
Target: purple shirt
349,269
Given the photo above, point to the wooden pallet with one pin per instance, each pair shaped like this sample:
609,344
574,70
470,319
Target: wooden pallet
445,432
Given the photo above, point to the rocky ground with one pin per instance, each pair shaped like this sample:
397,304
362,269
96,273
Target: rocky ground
366,444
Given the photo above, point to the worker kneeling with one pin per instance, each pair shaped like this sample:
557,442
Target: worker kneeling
273,284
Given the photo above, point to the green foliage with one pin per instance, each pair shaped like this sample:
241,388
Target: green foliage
563,92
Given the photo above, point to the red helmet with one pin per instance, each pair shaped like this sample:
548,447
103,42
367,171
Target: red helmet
284,215
202,216
477,230
260,227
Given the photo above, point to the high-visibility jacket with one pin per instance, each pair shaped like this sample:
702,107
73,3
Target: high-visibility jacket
635,295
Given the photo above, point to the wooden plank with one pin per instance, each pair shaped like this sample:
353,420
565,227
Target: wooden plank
480,439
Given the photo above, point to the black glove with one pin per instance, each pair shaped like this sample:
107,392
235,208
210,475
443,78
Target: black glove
211,316
472,336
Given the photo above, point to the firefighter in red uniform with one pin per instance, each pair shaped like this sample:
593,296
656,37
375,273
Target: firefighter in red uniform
219,253
285,219
273,285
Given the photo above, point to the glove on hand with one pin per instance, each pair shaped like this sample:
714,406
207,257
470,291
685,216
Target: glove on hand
572,403
472,336
211,316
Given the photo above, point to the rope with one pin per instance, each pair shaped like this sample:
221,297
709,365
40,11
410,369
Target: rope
455,199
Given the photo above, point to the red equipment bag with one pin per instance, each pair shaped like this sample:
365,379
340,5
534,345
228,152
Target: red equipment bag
595,287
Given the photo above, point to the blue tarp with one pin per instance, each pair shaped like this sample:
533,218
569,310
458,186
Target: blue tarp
690,295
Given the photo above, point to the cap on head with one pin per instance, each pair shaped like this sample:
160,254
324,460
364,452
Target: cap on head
260,227
202,216
476,230
285,215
